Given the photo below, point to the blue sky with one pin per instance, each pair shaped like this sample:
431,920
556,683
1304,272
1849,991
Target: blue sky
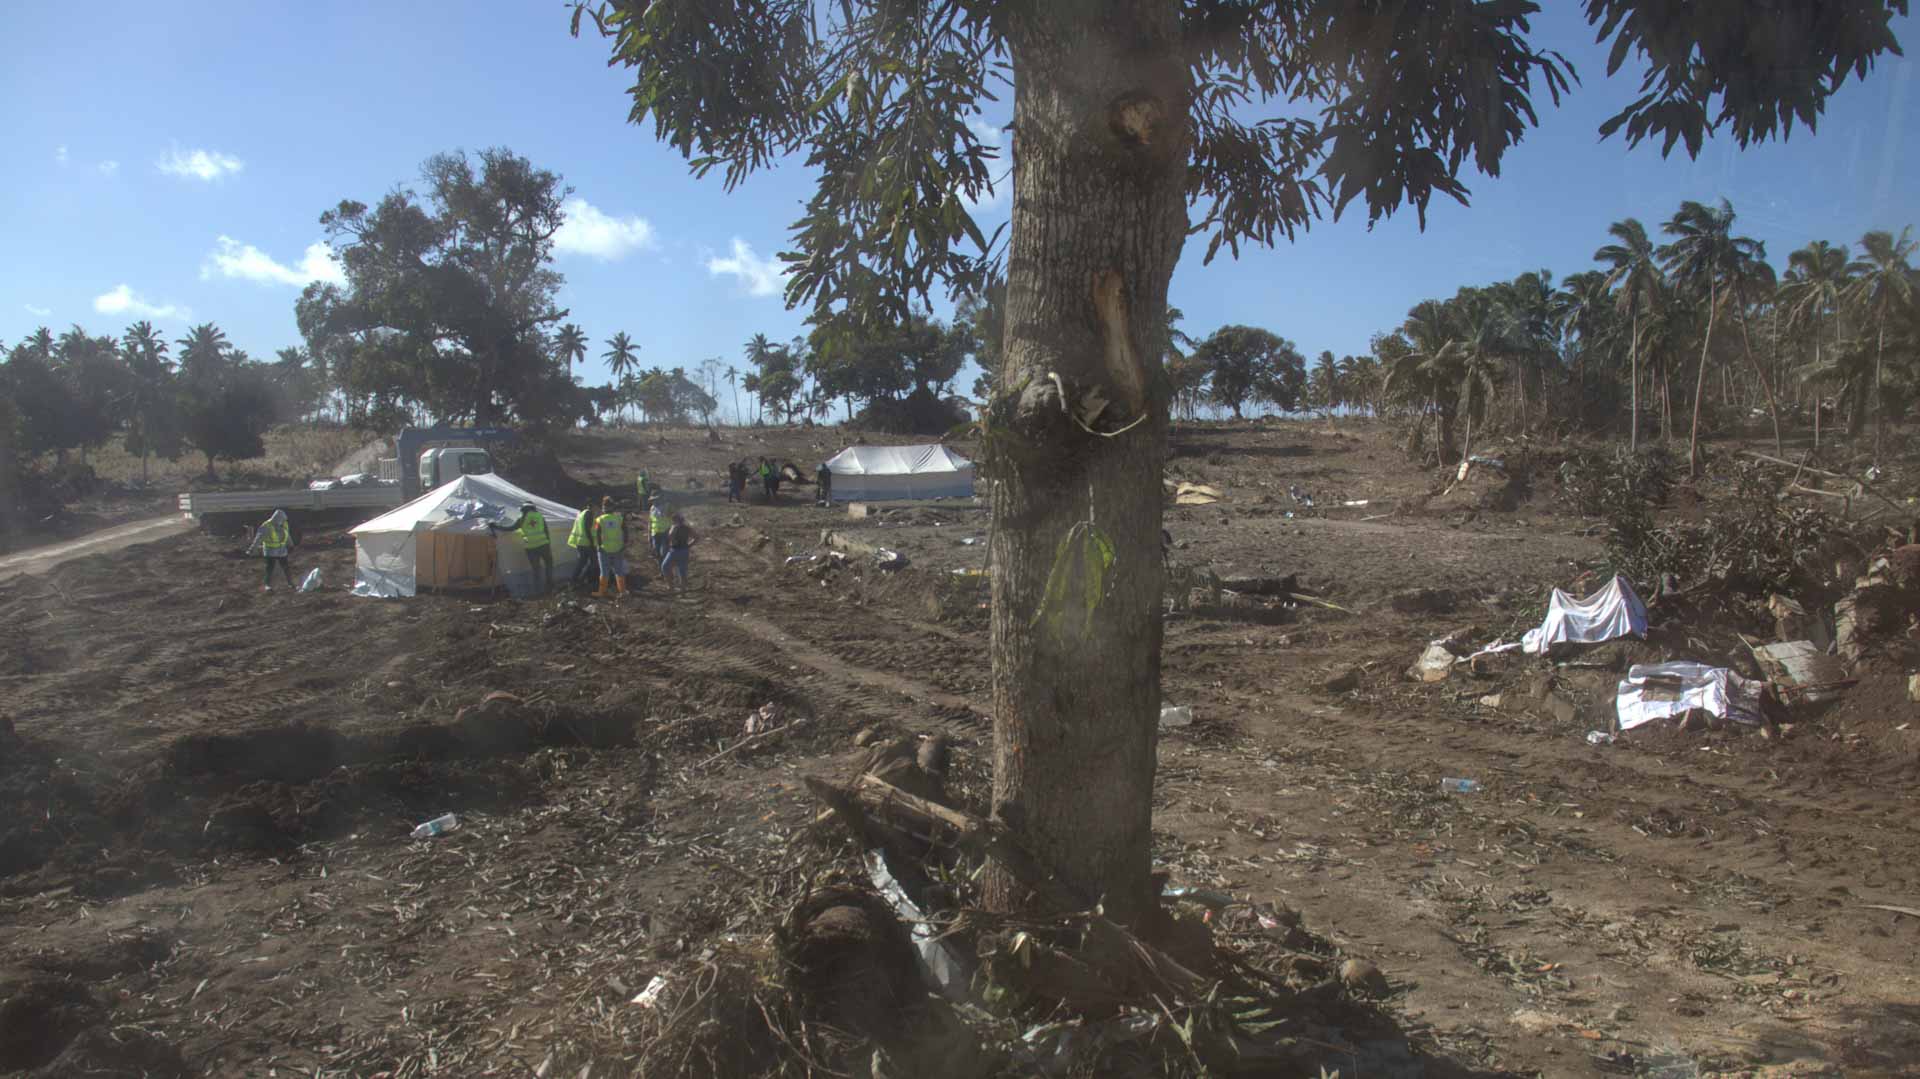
170,161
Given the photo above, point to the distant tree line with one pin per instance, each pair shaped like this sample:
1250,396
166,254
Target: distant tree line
70,394
1660,339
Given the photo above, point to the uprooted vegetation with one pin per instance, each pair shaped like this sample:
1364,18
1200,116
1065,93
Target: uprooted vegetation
1754,542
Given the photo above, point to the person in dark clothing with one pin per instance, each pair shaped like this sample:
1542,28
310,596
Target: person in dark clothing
680,541
733,481
769,479
823,485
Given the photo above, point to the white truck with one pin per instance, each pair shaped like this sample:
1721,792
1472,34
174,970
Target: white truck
424,458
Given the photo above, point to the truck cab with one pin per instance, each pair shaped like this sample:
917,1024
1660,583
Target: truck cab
444,464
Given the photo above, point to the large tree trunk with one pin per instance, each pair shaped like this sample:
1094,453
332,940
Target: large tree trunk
1700,386
1100,151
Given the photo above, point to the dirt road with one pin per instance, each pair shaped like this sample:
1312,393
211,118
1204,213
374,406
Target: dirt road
41,559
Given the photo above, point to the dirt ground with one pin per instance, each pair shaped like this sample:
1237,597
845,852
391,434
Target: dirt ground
206,791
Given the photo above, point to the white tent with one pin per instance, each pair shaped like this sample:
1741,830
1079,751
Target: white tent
876,473
441,540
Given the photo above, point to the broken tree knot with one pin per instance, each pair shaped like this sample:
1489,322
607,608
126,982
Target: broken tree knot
1134,117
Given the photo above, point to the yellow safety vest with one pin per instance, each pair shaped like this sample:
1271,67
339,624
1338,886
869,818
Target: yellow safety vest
581,537
658,524
611,541
533,531
273,534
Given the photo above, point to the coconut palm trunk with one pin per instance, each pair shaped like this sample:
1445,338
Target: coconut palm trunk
1633,362
1700,380
1759,372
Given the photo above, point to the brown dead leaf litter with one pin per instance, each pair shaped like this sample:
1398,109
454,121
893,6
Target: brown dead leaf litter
206,795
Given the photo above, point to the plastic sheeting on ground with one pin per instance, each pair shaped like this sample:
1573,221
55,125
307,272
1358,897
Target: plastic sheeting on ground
1659,690
1613,611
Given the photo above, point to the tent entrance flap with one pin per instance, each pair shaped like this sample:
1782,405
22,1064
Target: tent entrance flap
456,560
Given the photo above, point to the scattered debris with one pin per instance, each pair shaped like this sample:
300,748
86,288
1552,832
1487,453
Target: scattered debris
1179,715
763,719
440,825
1436,663
1346,681
1460,786
1801,673
1424,601
1363,977
1601,738
889,560
1612,612
1654,691
1196,494
650,996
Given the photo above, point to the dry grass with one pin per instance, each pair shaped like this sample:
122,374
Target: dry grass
294,453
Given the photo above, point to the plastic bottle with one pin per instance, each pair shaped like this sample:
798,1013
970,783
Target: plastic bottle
1459,786
440,825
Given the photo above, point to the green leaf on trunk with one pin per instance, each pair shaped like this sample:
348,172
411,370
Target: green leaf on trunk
1078,577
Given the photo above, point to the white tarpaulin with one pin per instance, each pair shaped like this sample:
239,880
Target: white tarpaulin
877,473
441,540
1658,690
1614,611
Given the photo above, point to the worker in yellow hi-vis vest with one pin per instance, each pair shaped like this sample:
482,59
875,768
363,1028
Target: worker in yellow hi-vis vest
610,532
533,536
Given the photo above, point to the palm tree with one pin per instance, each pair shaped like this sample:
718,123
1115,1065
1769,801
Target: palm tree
203,347
733,380
1531,334
1635,279
1584,310
146,356
40,343
1486,341
622,356
1324,382
1817,279
1360,380
1750,276
1883,281
570,344
1427,369
1706,259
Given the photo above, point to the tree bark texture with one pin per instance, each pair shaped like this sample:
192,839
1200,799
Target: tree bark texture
1101,144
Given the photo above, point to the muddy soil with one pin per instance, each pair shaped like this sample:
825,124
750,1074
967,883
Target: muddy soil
207,790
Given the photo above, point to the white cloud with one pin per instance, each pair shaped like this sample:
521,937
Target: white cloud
60,154
108,168
38,312
761,277
231,258
124,301
206,165
590,231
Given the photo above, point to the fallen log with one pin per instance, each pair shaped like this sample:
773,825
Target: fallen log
987,837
